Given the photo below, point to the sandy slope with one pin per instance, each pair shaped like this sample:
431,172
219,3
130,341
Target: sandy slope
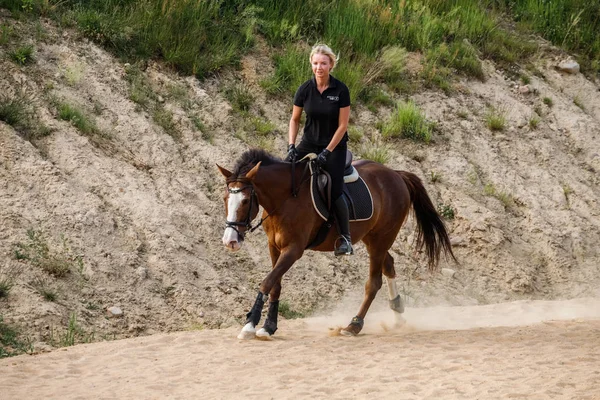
500,351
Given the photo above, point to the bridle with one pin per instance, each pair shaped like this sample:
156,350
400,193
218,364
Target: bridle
247,222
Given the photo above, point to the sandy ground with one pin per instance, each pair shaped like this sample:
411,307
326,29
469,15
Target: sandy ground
523,350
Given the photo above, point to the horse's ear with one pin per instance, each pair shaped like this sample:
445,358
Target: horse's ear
225,172
252,173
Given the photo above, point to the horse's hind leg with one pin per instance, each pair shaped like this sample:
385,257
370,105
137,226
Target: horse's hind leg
372,286
390,274
394,297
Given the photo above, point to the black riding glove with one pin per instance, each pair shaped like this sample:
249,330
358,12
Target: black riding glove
322,158
292,154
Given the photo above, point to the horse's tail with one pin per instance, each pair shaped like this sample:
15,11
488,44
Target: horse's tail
431,230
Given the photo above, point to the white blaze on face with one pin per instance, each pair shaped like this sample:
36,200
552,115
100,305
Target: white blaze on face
230,237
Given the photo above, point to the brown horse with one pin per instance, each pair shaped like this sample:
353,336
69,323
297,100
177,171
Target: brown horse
291,224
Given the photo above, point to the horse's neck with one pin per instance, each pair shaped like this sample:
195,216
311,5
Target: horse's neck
274,185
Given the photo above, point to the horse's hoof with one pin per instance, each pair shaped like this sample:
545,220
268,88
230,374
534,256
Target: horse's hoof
262,334
344,332
247,332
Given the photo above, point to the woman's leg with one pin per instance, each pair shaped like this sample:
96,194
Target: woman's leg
335,166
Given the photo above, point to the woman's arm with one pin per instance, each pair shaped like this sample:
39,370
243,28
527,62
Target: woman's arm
341,130
294,124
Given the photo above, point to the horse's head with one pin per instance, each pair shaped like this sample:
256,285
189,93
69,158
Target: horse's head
241,207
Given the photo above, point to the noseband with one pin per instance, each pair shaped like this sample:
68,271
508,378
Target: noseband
247,222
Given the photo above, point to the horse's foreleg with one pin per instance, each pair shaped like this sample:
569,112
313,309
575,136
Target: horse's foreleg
253,317
270,325
271,284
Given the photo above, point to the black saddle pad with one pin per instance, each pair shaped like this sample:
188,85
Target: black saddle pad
358,197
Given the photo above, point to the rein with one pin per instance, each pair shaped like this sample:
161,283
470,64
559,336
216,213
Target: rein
247,223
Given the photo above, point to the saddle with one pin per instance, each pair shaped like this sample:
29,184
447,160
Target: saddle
357,194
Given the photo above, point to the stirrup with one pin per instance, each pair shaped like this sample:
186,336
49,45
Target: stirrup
345,247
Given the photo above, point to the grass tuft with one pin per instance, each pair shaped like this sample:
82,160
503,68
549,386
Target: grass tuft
22,55
287,312
11,343
76,116
548,101
408,122
495,119
240,97
534,122
446,211
375,152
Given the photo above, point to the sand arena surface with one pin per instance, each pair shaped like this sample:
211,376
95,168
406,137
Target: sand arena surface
519,350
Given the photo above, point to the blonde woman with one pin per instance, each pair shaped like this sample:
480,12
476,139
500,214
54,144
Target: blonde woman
326,102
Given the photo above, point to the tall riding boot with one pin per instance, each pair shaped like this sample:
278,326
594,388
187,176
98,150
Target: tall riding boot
344,242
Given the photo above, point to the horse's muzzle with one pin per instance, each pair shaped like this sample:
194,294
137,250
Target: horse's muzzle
232,240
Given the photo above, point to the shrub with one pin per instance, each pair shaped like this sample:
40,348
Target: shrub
408,122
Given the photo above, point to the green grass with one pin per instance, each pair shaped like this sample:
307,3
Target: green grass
140,90
22,55
579,102
17,110
548,101
287,312
77,117
164,119
11,342
292,68
534,122
495,119
73,334
54,261
446,211
262,127
355,134
6,284
239,96
505,198
375,152
408,121
43,287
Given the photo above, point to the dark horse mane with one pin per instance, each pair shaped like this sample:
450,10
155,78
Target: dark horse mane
249,159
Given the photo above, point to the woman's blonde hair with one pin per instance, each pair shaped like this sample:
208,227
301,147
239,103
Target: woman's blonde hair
324,49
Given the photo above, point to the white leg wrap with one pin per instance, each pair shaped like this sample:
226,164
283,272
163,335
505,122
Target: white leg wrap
392,289
247,332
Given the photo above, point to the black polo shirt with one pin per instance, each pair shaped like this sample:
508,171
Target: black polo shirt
322,110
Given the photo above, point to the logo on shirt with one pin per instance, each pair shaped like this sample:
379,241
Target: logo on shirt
333,98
